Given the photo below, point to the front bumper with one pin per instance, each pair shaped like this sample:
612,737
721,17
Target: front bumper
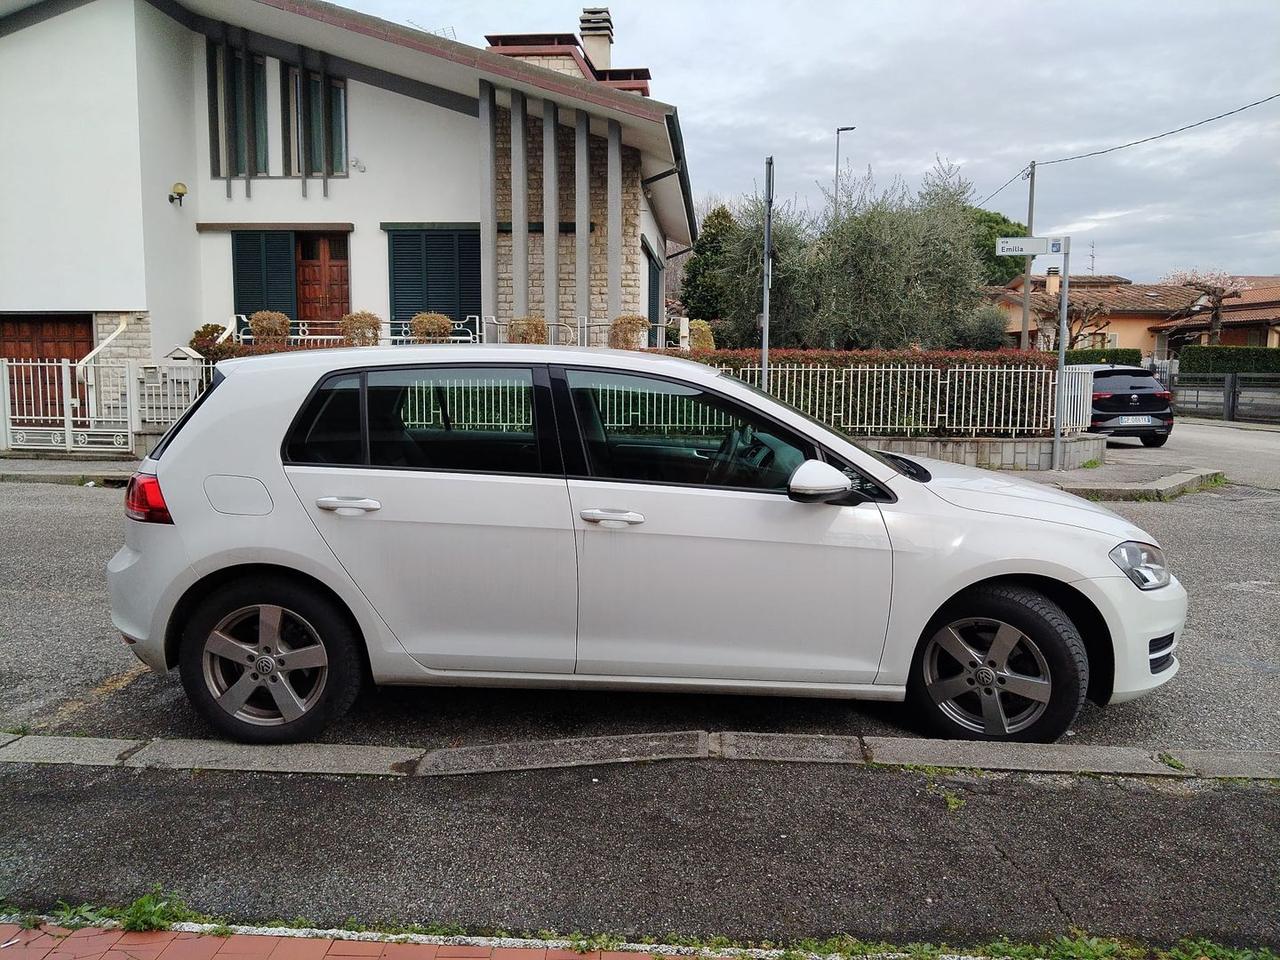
1136,618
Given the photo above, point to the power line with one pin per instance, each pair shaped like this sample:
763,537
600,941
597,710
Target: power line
1167,133
1131,143
983,202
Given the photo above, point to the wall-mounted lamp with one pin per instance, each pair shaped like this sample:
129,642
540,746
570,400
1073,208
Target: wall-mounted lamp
177,192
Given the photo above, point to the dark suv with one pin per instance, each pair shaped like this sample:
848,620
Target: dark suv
1131,402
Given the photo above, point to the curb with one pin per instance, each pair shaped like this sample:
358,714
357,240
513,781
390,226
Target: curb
907,753
1163,488
68,479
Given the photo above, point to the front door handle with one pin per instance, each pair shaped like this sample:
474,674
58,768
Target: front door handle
348,506
612,518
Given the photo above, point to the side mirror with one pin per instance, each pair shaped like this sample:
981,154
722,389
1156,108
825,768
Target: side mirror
818,482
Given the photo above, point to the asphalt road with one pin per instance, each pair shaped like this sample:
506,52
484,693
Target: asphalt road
694,847
63,669
1246,454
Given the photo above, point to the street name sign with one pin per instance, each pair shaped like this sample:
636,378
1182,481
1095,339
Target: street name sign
1029,246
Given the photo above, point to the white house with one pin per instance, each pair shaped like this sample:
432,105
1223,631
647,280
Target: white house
331,162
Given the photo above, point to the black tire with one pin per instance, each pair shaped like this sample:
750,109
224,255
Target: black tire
323,693
1049,644
1155,439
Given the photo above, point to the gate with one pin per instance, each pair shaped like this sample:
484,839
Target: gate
67,406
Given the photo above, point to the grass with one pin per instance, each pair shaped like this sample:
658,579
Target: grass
1093,464
1169,760
18,730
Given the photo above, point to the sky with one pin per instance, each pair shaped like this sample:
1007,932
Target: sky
985,85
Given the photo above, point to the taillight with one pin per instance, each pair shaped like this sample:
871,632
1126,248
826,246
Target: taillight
1164,394
1102,396
143,500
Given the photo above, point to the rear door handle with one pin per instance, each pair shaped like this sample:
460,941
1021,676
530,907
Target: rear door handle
612,518
348,506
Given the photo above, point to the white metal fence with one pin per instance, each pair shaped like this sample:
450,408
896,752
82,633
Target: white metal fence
103,404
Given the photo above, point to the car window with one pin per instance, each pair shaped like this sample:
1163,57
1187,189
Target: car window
328,428
463,418
1115,381
659,431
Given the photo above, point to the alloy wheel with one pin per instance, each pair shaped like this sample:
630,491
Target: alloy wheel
987,675
265,664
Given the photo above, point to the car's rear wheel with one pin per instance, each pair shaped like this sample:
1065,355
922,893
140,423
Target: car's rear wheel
1001,662
269,661
1155,439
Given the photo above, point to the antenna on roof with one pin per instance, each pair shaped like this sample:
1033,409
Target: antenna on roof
1091,257
447,32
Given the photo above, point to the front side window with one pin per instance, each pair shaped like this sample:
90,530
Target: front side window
659,431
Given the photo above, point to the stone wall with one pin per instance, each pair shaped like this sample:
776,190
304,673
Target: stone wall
1031,453
133,344
632,256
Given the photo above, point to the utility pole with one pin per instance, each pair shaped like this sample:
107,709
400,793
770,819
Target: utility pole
768,272
1061,399
835,202
1026,263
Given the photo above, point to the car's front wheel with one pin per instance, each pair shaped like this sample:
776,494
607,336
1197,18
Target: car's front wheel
269,661
1001,662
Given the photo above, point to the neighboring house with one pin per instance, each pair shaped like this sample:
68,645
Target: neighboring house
1132,308
332,161
1249,320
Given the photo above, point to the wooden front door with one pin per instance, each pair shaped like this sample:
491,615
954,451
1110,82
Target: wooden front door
324,290
45,336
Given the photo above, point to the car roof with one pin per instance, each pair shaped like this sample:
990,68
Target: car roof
343,358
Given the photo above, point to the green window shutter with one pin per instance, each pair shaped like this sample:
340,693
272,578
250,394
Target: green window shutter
435,270
263,274
408,276
442,272
469,274
655,297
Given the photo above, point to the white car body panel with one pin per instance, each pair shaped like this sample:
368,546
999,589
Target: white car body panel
500,582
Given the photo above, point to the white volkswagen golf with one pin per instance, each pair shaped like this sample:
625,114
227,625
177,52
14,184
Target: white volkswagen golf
543,516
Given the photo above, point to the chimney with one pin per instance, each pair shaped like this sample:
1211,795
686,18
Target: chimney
1052,281
596,27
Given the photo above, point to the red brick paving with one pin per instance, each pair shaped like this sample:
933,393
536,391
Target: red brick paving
89,943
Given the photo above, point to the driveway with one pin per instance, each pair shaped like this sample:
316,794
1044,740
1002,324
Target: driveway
1247,455
63,669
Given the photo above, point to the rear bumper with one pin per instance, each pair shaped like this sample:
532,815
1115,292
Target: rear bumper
145,578
1135,618
1111,427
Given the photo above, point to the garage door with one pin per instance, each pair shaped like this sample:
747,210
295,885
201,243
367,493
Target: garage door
45,336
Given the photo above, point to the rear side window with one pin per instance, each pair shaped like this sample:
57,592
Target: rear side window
182,421
328,429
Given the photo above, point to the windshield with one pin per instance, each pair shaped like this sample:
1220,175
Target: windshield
874,454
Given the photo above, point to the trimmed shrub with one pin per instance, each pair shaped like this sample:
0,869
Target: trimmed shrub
269,327
430,327
531,329
629,332
1219,359
1123,356
942,359
205,339
361,329
700,336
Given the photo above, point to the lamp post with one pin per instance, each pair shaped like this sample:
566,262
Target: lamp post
835,204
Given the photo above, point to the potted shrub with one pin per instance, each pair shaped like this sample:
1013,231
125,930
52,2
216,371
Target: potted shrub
362,328
531,329
430,327
269,328
629,332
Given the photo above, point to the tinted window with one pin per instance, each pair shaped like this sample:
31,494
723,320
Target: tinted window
1116,380
328,429
657,431
453,419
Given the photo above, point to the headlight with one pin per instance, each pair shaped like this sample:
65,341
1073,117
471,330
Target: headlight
1143,563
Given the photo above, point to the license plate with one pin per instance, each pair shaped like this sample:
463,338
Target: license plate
1134,421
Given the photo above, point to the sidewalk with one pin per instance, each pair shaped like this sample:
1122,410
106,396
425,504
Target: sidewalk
1127,480
51,470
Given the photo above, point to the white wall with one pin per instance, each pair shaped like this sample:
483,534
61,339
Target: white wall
70,197
419,166
166,104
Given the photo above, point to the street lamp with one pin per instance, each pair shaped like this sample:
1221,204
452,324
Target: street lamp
835,205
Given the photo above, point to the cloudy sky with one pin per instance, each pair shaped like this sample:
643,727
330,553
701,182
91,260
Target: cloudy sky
988,86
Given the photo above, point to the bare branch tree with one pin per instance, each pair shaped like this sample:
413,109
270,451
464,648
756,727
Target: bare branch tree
1086,316
1216,286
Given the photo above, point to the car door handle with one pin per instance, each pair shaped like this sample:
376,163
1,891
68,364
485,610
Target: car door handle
348,506
612,517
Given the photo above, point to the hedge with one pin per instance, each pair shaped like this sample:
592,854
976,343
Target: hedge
1124,356
1197,359
941,359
